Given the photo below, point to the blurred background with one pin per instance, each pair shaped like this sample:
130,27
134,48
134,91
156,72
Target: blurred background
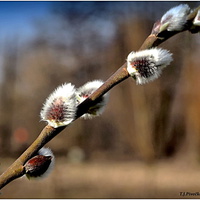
147,142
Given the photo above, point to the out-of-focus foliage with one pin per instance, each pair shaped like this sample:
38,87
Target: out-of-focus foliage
83,41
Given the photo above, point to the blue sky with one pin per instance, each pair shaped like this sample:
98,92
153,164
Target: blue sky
19,17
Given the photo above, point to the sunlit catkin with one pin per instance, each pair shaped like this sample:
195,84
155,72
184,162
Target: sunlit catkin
85,91
60,107
147,65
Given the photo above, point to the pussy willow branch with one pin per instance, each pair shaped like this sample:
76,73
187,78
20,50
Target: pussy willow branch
16,170
154,40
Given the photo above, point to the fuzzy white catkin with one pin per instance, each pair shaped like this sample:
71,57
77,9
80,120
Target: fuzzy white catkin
147,65
175,18
47,152
44,151
38,167
60,107
86,90
196,21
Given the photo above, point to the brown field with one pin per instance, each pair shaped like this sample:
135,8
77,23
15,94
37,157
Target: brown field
166,179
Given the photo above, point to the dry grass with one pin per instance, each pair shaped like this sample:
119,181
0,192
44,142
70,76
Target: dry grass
110,180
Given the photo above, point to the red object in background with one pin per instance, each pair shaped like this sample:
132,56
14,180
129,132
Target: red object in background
21,135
